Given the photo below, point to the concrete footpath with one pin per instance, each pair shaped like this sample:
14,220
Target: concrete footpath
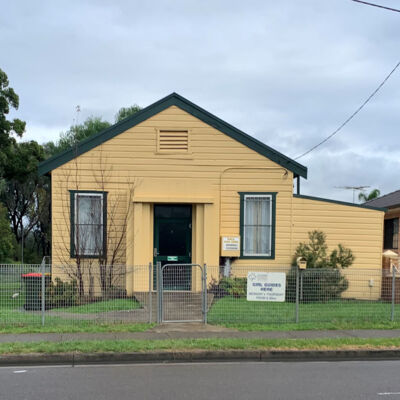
197,331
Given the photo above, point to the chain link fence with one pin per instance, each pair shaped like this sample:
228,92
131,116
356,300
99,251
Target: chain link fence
110,294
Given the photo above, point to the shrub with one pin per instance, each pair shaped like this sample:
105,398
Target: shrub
216,289
317,285
236,287
322,280
62,294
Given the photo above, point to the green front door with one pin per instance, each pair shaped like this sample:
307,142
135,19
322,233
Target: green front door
173,244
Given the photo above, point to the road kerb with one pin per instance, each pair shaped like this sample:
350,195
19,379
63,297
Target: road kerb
197,356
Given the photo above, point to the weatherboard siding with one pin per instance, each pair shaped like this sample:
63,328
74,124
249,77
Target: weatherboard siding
224,165
210,176
357,228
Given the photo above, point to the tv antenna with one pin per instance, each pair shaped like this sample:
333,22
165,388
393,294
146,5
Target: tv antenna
353,188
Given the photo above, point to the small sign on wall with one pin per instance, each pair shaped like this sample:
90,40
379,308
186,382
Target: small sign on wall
230,246
266,286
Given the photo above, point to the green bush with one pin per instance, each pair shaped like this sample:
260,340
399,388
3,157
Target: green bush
317,285
236,287
322,280
61,294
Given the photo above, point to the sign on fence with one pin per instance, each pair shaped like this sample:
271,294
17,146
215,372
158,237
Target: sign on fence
266,286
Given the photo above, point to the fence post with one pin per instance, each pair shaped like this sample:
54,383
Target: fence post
205,299
43,295
297,295
150,297
393,291
159,294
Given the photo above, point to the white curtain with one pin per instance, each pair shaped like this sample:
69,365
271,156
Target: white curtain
257,225
88,224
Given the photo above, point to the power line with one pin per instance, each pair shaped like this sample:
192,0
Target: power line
376,5
352,115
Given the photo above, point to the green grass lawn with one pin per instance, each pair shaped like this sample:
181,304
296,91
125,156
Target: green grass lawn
120,346
102,306
14,319
240,313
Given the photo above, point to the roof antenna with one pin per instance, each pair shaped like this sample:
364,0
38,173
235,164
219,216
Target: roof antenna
353,188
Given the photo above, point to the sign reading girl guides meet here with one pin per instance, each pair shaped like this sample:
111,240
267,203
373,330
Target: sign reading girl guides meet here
266,286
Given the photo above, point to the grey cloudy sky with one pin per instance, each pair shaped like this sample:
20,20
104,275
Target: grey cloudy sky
287,72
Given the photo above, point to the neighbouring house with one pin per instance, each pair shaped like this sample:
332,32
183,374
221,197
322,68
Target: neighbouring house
390,201
391,239
175,184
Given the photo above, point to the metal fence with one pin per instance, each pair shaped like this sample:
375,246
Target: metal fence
89,293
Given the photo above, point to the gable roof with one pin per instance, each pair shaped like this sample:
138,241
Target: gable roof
173,99
390,200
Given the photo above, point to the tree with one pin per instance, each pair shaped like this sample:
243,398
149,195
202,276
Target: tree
77,133
126,112
8,99
7,241
375,193
91,126
322,280
22,190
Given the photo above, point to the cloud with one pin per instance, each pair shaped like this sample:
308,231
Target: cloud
287,72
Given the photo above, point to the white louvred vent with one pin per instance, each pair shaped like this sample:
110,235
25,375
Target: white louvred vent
173,141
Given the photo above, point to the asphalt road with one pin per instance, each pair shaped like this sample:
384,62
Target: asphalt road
286,380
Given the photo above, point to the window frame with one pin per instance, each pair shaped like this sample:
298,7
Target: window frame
272,196
73,198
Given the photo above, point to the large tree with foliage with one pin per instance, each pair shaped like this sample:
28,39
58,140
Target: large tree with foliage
78,132
75,134
22,191
9,129
126,112
7,241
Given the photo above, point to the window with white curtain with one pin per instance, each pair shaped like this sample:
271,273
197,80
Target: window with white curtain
88,224
257,221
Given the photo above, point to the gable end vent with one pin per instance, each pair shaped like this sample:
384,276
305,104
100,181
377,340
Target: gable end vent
173,141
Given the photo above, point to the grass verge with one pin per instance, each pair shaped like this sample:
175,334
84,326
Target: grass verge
338,314
314,326
122,346
76,327
102,306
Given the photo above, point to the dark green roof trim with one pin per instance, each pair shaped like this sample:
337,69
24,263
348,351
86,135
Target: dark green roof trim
343,203
173,99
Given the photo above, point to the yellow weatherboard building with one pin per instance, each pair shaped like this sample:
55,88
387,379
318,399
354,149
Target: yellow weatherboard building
175,184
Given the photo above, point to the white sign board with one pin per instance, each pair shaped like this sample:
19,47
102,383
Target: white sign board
266,286
230,243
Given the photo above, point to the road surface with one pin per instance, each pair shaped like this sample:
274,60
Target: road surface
274,380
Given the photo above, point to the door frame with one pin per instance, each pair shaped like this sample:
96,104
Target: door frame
186,260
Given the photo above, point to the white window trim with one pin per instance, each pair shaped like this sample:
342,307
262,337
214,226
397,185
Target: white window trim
91,194
263,196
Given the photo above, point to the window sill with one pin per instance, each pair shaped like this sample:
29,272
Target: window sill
271,257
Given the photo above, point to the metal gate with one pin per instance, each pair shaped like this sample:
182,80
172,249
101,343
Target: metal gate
179,301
